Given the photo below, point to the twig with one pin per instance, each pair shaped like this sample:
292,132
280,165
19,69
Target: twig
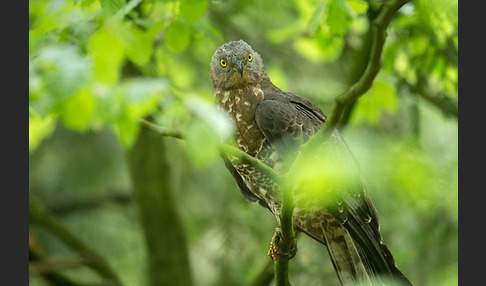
247,159
96,262
445,103
67,207
53,277
162,131
54,264
224,148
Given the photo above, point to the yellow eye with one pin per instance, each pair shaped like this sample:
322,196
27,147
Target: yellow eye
250,57
223,63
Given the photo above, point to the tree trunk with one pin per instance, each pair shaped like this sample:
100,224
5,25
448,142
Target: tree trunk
164,234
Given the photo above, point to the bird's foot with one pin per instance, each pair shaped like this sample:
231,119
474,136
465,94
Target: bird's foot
274,251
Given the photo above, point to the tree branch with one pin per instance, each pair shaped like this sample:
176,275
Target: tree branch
445,103
365,82
165,237
224,148
54,264
162,131
69,206
94,261
52,276
247,159
281,265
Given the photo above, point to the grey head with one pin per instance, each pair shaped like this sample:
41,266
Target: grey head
235,64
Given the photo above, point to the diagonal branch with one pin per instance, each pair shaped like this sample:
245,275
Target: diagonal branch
162,131
445,103
365,82
53,276
224,148
94,261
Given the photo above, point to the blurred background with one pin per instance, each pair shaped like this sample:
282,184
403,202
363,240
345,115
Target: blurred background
112,203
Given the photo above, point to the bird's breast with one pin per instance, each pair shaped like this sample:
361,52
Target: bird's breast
240,104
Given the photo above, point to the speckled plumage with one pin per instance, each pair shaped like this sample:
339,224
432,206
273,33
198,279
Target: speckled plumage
271,123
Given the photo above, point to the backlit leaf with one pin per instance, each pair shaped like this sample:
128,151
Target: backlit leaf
381,97
77,111
177,36
193,10
339,16
39,129
108,54
112,6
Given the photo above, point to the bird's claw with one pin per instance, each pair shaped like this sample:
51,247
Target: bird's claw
274,252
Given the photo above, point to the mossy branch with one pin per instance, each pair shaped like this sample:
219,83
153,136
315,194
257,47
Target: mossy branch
281,265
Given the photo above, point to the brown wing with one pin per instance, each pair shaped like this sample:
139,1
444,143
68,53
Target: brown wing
287,121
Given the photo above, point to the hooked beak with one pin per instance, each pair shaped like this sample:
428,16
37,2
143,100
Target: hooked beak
239,67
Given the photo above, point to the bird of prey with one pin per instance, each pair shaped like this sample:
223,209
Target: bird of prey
270,124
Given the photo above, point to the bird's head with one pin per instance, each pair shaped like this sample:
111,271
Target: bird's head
235,64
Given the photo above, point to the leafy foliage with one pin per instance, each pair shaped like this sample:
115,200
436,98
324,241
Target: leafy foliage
97,67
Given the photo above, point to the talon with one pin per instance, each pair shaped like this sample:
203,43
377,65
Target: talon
274,251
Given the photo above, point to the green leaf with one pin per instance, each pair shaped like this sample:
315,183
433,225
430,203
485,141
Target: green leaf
137,44
220,121
127,129
382,96
63,70
137,98
177,36
201,143
112,6
77,111
56,74
207,129
193,10
339,16
325,49
359,7
39,128
108,54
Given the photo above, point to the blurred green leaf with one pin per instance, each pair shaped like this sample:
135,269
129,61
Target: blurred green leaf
327,49
108,54
381,97
127,129
359,7
219,120
201,143
77,111
63,69
112,6
137,98
56,74
193,10
177,36
206,130
137,44
339,16
39,129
